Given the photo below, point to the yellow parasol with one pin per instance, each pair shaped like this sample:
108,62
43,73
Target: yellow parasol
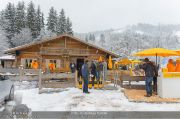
178,51
100,59
110,63
124,61
156,52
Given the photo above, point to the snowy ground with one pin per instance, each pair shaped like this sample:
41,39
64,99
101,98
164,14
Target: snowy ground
72,99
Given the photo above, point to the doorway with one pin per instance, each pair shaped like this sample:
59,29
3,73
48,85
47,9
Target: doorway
2,63
79,63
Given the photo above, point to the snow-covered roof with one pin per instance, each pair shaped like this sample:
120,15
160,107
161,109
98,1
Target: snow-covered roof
64,35
7,57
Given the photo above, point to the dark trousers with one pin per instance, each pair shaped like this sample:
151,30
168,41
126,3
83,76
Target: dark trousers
98,75
149,85
93,78
155,84
85,85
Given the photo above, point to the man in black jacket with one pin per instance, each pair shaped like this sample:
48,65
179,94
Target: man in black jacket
150,72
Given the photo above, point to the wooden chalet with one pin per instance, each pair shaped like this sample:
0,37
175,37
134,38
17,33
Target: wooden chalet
62,50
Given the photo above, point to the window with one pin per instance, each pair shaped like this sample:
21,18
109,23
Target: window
57,63
27,63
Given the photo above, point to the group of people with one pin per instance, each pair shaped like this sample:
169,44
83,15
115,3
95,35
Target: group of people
172,67
94,70
151,74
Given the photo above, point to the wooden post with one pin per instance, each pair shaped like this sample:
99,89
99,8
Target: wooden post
21,72
76,80
40,72
40,80
65,43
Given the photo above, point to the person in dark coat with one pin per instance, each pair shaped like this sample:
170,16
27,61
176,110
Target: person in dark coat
149,69
73,67
85,76
93,72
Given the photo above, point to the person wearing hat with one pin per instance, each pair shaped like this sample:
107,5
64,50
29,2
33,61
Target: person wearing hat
150,72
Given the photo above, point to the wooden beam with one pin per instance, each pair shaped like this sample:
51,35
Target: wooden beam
65,43
40,69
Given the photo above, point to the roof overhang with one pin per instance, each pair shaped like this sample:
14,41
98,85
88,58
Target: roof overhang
13,50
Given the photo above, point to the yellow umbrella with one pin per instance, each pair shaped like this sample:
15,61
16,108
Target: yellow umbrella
178,51
100,59
124,61
156,52
110,62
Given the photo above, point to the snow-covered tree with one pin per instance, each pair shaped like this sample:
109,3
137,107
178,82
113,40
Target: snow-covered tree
31,19
69,27
9,21
52,20
23,37
42,20
92,38
61,25
86,38
39,21
102,40
20,17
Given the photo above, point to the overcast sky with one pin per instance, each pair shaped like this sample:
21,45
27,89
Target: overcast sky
93,15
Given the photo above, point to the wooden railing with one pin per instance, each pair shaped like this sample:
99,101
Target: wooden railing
63,51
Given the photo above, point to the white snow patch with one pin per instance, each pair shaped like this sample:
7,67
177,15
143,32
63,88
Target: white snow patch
177,33
73,99
140,32
119,30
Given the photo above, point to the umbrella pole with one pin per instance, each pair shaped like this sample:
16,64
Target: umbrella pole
156,59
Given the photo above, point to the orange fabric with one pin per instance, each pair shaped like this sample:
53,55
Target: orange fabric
177,66
170,67
34,65
51,66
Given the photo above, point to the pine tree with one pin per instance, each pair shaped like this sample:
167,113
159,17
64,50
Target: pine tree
42,20
93,38
20,17
3,39
102,39
90,37
52,20
61,26
3,20
31,19
69,27
86,38
39,21
9,26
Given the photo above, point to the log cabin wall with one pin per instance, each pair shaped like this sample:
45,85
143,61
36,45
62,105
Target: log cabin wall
64,49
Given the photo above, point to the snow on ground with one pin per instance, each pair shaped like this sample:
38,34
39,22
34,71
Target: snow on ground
73,99
24,85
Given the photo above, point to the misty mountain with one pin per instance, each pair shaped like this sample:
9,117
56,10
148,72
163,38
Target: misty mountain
136,37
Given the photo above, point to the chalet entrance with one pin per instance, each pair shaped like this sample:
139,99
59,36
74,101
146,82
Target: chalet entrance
54,55
79,63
